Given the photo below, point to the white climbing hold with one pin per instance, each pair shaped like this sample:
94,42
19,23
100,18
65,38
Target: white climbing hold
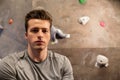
83,20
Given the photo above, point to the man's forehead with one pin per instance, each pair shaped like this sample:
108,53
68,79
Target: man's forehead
39,23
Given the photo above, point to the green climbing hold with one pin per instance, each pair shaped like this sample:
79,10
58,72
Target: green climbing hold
82,1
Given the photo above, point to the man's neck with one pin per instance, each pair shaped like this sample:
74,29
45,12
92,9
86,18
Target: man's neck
37,55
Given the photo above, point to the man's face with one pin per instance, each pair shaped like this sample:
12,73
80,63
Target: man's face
38,34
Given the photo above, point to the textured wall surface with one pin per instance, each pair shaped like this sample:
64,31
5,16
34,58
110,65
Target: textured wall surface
67,12
12,35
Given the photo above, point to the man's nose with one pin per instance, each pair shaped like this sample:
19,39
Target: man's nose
40,34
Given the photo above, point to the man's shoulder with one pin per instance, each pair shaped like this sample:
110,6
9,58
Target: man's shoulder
8,63
13,57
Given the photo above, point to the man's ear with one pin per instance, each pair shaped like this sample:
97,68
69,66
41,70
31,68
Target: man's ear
25,35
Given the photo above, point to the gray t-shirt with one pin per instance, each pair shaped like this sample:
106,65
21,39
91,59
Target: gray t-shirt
19,66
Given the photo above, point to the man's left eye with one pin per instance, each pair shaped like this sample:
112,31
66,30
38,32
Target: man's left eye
44,31
34,30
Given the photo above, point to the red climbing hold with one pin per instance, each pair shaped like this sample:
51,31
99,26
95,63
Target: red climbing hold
102,24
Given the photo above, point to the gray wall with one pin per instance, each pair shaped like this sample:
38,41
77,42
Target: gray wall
12,36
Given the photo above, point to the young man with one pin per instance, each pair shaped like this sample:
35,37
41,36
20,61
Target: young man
37,62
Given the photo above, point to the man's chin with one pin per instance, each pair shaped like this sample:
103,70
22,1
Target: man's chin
39,48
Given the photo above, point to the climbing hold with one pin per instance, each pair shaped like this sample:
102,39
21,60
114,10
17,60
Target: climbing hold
10,21
56,34
101,61
82,1
83,20
1,27
102,24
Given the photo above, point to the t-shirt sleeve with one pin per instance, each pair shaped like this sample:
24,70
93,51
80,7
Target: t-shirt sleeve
6,69
67,70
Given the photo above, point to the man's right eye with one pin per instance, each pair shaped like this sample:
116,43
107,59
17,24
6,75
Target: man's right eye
34,30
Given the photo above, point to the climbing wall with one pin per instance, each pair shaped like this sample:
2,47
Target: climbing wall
99,36
102,30
12,14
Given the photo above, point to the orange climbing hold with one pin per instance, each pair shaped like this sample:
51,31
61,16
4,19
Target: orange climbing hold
10,21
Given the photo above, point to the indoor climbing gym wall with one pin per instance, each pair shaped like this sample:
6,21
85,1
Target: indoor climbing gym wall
92,24
86,31
12,14
92,29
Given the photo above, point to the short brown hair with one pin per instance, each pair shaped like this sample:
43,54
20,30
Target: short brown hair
37,14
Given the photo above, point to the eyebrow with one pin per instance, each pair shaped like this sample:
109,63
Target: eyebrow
40,28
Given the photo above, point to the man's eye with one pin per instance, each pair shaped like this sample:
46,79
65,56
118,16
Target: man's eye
44,31
34,30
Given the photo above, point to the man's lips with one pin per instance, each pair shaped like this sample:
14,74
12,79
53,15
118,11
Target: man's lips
39,42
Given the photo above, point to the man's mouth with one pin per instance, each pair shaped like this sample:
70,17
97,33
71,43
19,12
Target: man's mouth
39,42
